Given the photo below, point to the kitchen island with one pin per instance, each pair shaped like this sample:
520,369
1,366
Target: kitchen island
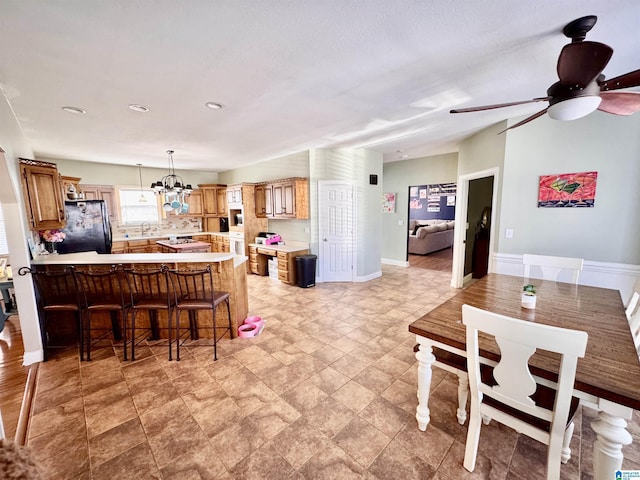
229,273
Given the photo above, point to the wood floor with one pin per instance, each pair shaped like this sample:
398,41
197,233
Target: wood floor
440,260
13,375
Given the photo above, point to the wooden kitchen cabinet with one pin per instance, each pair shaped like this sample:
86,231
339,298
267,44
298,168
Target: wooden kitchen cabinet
42,194
220,244
102,192
257,263
211,194
195,204
119,247
287,198
142,246
69,185
221,203
259,256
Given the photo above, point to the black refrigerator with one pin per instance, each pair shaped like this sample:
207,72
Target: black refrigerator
88,228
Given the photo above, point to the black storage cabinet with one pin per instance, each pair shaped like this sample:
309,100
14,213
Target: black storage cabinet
306,270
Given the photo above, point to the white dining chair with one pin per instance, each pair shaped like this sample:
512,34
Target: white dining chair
552,268
509,394
632,304
633,315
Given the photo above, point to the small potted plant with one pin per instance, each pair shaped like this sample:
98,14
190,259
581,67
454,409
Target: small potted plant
529,296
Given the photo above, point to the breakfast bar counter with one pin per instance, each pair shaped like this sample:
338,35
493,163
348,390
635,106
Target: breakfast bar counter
229,273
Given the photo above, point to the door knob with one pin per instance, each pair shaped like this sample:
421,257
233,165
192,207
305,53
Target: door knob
324,239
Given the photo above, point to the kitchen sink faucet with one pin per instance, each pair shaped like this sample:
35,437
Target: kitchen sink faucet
143,229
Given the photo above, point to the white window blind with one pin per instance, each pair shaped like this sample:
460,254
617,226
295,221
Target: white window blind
133,211
4,247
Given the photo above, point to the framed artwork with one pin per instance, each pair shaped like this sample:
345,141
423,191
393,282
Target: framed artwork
567,190
388,202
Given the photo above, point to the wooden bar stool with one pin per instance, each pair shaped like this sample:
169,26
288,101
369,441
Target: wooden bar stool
103,291
149,291
55,292
193,291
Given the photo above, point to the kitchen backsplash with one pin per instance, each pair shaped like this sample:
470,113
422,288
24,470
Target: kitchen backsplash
166,227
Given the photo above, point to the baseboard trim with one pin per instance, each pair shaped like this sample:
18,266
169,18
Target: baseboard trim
397,263
30,358
367,278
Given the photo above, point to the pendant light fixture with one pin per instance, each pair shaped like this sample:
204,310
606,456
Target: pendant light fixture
142,198
172,184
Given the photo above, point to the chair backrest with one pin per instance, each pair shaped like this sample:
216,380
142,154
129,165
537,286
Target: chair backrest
55,288
552,268
632,305
101,287
147,284
633,315
518,340
192,284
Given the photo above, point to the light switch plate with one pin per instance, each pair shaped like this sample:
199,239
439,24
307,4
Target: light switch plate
508,233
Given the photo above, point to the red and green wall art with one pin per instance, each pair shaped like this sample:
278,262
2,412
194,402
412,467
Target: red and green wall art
567,190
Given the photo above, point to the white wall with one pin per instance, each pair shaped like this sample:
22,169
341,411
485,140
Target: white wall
353,165
398,177
94,173
608,232
15,145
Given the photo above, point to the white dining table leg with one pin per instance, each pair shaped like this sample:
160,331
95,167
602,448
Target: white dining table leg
425,358
611,433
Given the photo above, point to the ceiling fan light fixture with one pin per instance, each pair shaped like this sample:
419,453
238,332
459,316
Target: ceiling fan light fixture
574,108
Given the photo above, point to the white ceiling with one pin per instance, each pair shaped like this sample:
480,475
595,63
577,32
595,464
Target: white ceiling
291,74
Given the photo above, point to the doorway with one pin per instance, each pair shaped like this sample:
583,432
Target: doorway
477,197
336,226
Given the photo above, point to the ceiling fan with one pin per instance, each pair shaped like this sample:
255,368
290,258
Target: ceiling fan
582,87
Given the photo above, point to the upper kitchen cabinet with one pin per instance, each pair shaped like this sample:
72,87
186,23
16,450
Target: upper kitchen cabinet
43,194
70,187
287,198
102,192
213,204
222,201
195,204
234,196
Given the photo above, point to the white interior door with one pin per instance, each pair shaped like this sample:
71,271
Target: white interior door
336,231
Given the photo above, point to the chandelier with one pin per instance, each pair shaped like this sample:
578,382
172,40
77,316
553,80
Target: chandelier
173,188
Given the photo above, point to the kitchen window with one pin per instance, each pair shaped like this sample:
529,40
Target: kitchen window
133,211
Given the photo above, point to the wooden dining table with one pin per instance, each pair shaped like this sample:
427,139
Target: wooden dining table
607,378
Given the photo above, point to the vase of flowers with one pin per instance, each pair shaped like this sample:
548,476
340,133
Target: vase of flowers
529,296
51,238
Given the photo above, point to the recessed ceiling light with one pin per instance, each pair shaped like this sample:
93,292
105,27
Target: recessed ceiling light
404,156
213,105
74,110
138,108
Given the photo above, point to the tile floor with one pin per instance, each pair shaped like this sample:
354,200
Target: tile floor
327,391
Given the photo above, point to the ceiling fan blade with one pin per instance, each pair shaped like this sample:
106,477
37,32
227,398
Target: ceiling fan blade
526,120
620,103
631,79
498,105
580,63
